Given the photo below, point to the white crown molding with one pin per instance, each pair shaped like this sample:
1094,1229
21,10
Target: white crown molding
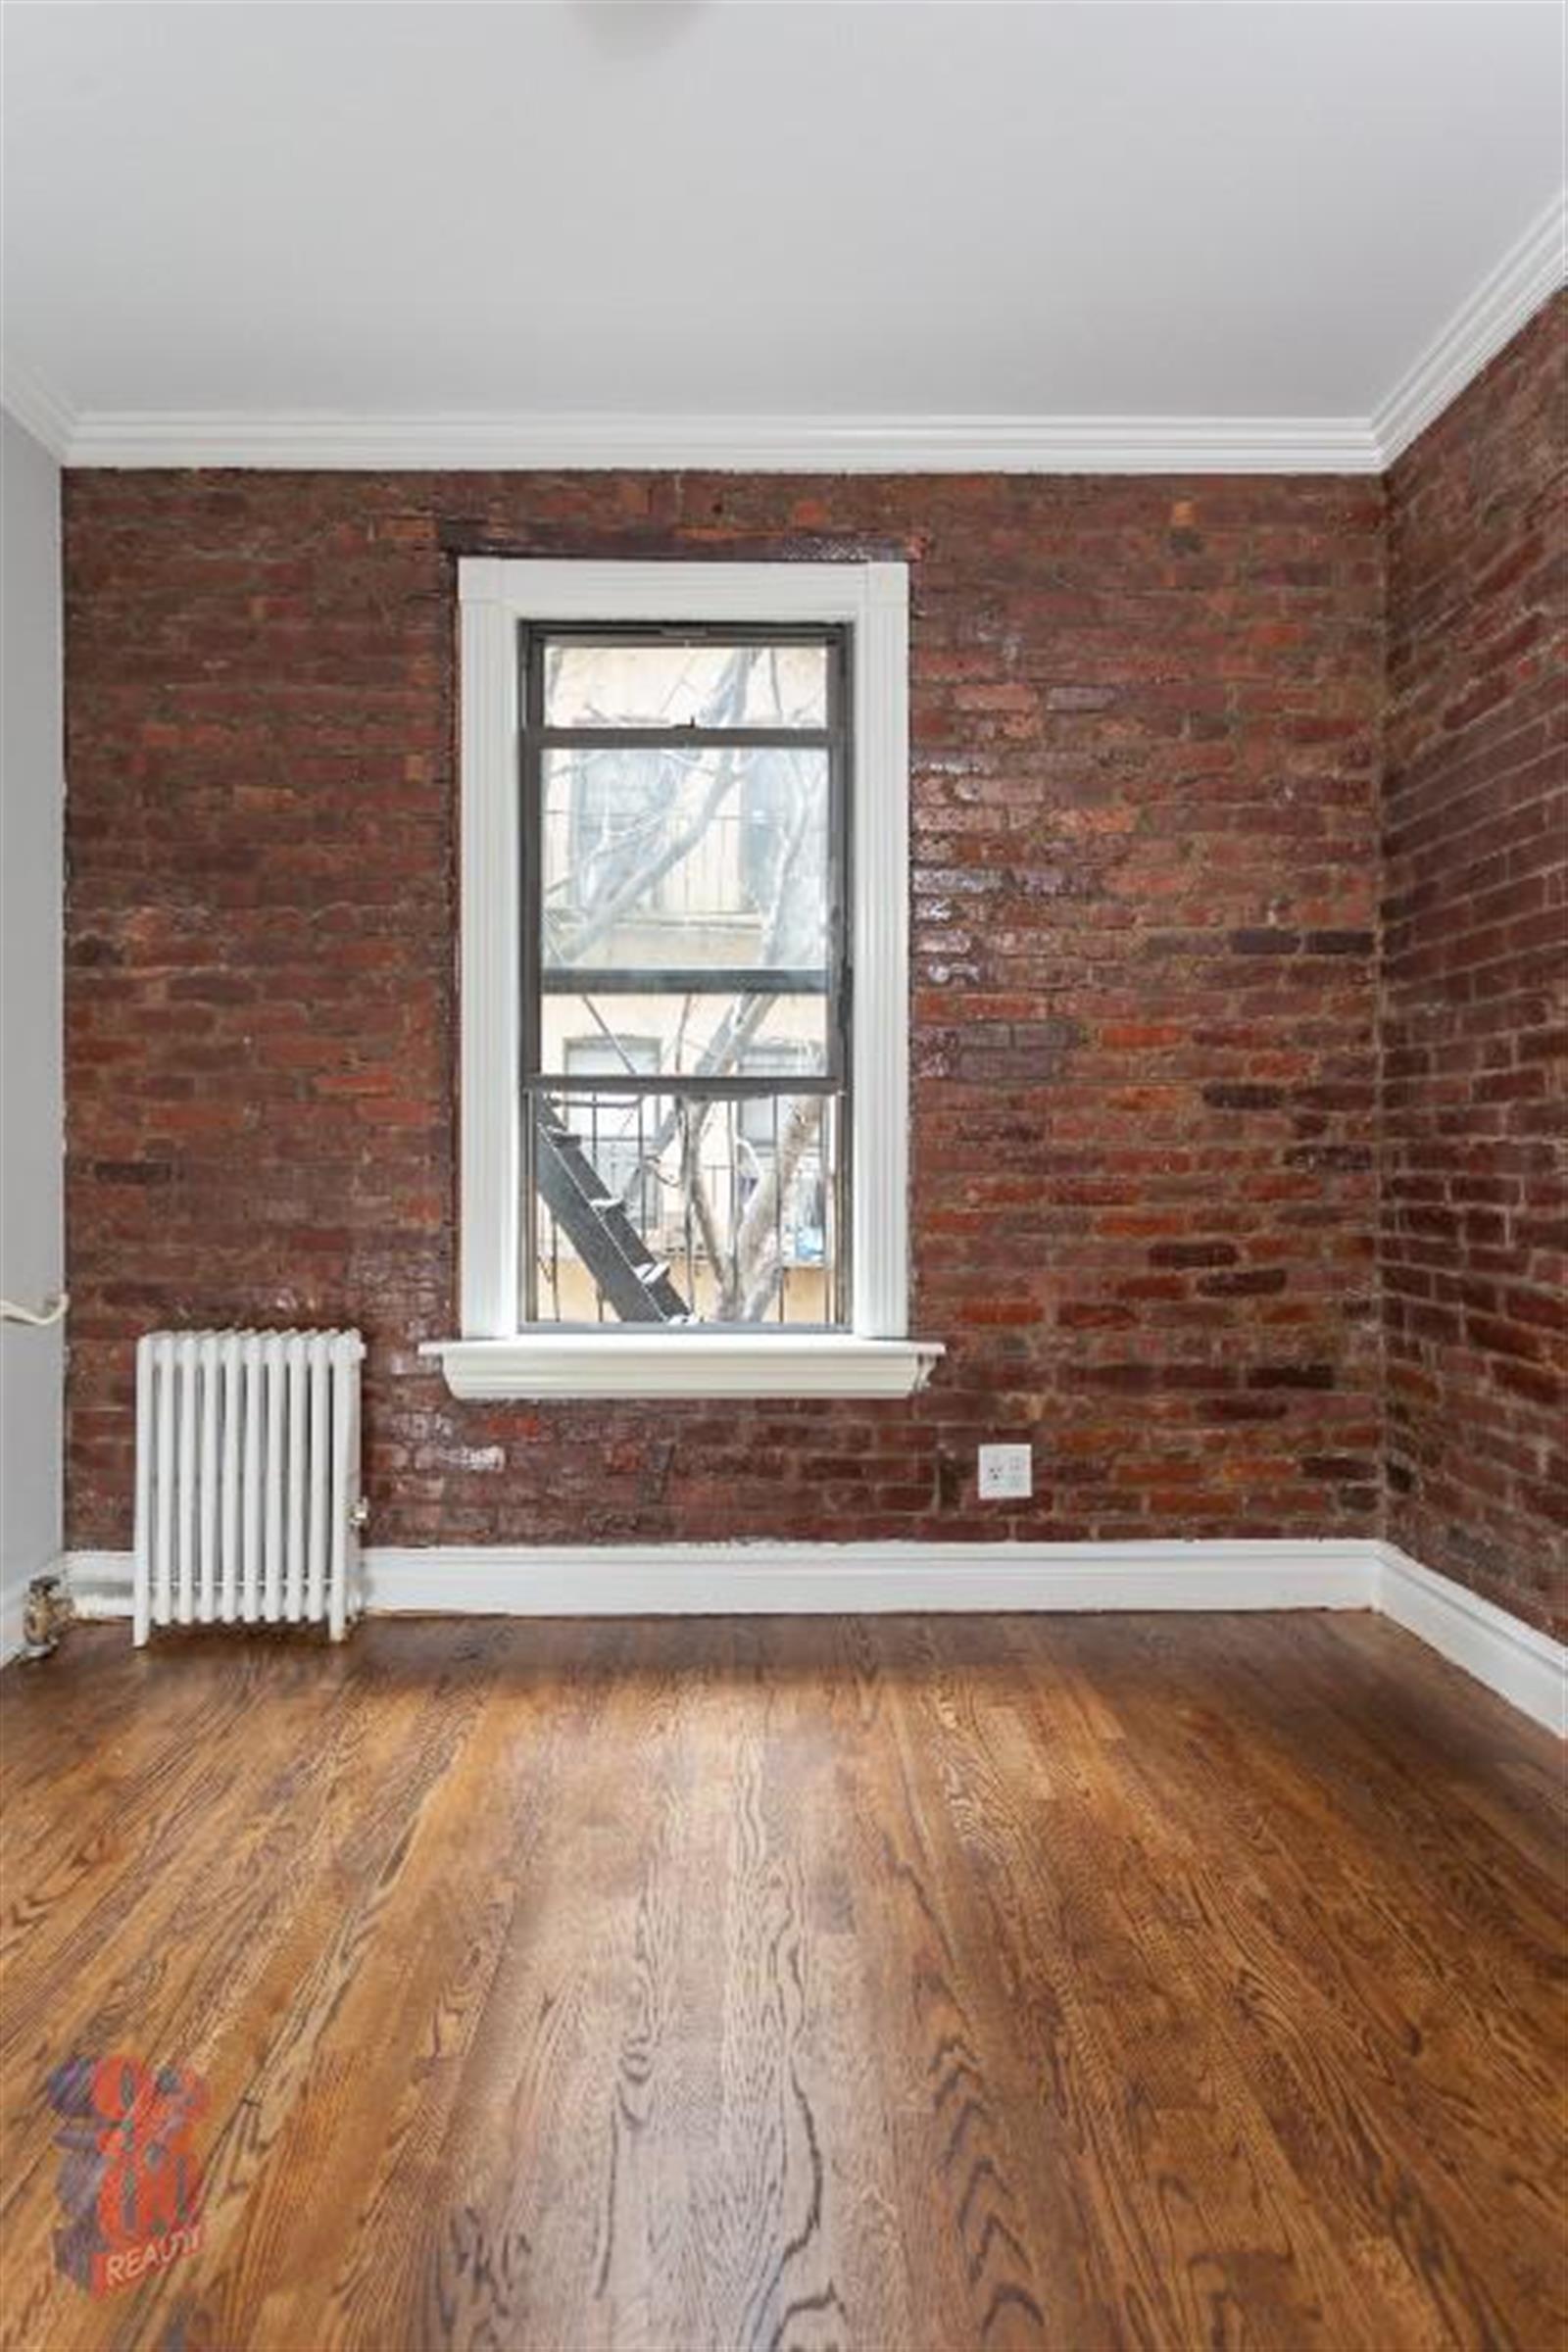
321,439
1527,275
1525,1667
37,408
803,444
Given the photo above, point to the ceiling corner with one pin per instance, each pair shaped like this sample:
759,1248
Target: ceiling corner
1529,273
37,408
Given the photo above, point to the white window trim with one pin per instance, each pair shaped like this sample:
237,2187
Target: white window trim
494,1357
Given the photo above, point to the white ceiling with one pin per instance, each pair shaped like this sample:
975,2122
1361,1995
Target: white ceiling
736,211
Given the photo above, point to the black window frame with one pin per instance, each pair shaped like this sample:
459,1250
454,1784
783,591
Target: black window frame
836,982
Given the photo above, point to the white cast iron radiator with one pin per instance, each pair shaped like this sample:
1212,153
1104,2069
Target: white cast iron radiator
247,1477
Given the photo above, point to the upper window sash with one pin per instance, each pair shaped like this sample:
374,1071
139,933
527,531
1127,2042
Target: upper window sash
825,699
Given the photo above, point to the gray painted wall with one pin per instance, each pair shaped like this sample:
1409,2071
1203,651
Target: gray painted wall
31,1111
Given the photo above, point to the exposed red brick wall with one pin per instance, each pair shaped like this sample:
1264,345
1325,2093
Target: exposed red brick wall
1475,1235
1146,727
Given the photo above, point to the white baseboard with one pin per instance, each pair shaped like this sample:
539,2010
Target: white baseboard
706,1579
719,1580
99,1583
1526,1667
732,1580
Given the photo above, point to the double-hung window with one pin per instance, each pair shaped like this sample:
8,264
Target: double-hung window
684,831
684,1081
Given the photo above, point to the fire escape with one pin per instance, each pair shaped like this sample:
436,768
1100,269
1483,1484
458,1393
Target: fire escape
634,1282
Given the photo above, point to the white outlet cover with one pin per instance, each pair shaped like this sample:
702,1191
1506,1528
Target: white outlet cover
1006,1473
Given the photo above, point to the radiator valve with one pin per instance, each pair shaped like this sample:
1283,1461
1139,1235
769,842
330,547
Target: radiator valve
46,1611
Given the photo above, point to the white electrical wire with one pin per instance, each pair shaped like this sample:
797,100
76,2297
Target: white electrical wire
11,1312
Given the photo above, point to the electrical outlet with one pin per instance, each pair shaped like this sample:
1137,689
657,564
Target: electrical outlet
1006,1473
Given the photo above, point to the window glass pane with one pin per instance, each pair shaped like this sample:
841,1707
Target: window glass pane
669,683
772,1056
707,1034
605,1052
661,1209
690,857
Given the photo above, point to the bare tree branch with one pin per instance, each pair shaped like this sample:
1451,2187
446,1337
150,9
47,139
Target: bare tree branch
702,1209
726,706
745,1014
754,1242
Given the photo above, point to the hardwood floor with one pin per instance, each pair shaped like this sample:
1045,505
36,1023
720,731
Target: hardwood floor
886,1983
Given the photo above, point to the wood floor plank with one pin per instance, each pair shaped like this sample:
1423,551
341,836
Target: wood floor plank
1317,1930
1188,2189
799,1986
267,1927
993,2233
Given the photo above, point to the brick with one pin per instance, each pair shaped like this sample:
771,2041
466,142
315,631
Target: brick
1243,1098
1260,942
1193,1253
1475,868
1145,861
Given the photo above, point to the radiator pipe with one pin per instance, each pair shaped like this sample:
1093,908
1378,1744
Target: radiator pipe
53,1311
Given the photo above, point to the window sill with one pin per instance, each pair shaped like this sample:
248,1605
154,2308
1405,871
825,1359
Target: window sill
619,1363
